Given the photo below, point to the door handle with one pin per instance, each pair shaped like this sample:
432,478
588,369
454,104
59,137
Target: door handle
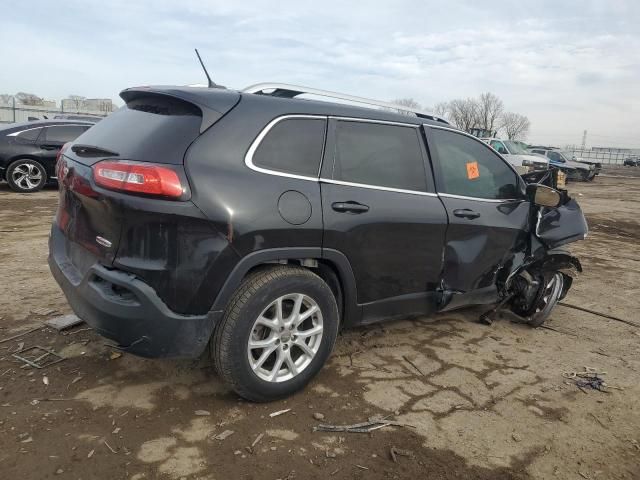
466,213
48,147
349,207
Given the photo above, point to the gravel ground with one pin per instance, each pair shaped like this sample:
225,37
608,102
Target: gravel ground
483,402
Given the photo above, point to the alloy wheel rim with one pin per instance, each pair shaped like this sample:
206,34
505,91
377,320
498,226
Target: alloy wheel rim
27,176
550,295
285,338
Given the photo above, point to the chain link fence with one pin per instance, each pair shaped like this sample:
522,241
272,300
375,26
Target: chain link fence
17,112
606,156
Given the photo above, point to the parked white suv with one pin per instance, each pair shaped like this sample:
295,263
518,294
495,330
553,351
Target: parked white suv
517,156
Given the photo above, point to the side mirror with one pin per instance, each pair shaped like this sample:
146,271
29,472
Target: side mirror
544,196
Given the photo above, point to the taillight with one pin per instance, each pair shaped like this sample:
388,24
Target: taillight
137,177
59,172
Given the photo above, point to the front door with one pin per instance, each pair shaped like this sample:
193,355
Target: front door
488,216
380,210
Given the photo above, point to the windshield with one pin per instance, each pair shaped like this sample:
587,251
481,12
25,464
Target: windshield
514,148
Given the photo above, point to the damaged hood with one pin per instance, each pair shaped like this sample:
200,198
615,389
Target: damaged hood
561,225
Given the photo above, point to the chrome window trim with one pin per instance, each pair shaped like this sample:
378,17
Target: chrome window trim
15,134
376,187
479,199
248,158
371,120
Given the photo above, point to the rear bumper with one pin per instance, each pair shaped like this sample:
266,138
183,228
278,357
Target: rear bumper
121,307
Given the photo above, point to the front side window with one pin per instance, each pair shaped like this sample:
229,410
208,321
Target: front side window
556,157
293,145
499,147
465,166
64,134
379,155
515,148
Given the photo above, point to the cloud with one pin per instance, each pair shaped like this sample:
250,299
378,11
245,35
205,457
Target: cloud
567,65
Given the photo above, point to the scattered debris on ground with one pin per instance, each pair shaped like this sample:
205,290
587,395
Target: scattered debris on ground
395,452
279,412
590,378
20,334
224,435
372,424
35,355
64,322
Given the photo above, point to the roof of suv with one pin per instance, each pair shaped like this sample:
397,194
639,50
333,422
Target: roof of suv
209,98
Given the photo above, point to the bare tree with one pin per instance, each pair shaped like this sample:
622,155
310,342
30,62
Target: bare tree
28,98
441,109
515,126
463,113
6,98
410,103
77,102
490,108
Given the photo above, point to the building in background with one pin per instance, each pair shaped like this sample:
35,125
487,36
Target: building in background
77,104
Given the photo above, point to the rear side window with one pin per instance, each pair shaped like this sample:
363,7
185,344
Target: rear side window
469,168
63,133
293,145
29,135
380,155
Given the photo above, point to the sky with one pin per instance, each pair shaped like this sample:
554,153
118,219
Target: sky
569,66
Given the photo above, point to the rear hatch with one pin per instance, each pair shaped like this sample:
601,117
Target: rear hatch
156,126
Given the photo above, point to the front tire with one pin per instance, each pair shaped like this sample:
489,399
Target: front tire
26,176
548,295
277,332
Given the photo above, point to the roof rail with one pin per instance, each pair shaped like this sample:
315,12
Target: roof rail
284,90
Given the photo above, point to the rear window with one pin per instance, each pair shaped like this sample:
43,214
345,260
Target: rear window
293,145
153,128
63,133
29,135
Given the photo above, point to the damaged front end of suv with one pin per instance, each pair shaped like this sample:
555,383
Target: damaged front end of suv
547,268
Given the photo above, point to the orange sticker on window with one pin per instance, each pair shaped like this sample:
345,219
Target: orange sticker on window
472,170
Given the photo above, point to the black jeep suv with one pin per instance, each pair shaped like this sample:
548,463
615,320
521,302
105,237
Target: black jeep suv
258,224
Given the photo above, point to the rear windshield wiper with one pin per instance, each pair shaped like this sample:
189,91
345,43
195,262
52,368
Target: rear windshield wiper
91,151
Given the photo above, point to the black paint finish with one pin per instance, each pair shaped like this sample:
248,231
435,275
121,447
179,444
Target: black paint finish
174,265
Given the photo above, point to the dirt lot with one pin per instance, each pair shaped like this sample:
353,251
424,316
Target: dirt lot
485,402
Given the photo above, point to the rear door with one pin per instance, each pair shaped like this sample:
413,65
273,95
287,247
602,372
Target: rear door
488,215
53,138
381,211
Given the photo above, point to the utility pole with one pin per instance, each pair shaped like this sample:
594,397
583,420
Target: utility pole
584,140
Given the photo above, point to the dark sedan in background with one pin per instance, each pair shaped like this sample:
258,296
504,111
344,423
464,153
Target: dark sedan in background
28,151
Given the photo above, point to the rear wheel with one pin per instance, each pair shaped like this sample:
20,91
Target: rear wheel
276,334
26,176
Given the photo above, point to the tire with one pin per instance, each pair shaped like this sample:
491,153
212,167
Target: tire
26,176
282,366
546,299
